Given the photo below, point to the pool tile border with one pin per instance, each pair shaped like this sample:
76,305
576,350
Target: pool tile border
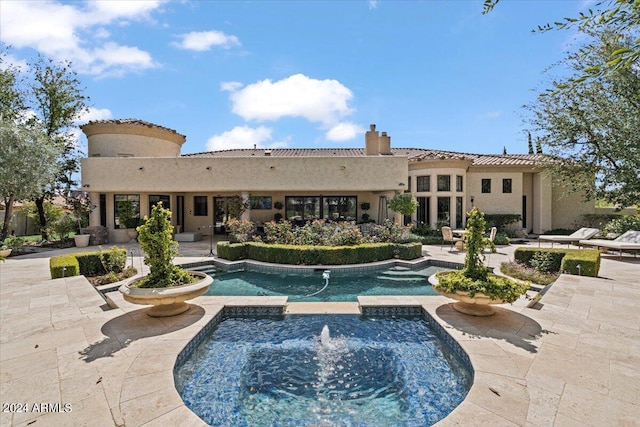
263,267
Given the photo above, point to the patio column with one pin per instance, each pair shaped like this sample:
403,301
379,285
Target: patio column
246,215
94,215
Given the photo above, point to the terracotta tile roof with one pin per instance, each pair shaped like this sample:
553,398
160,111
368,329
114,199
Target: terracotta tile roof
137,122
412,154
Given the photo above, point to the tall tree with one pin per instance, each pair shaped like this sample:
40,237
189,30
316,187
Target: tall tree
27,165
12,96
58,102
592,129
530,143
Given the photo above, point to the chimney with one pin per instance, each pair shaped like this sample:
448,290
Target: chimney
371,141
385,144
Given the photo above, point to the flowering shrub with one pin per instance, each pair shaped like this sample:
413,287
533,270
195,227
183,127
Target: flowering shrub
240,230
391,232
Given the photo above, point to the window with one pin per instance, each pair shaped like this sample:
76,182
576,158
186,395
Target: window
486,186
459,212
506,185
444,210
459,183
127,210
423,183
339,208
409,184
444,183
155,198
200,206
302,208
424,208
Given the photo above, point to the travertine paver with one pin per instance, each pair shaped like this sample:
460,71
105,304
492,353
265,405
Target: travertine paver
576,361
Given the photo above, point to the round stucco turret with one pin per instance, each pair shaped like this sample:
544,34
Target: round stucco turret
131,138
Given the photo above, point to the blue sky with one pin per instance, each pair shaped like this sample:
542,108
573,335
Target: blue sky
231,74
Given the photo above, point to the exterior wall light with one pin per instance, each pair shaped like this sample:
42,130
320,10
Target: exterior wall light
343,167
86,186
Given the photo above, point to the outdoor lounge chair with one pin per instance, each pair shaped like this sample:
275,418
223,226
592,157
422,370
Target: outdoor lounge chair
629,241
582,234
447,236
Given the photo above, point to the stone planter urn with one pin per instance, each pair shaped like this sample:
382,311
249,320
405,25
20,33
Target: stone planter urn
478,305
4,253
81,240
166,301
133,234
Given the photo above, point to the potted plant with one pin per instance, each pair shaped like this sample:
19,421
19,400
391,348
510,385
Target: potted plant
474,286
365,206
278,216
167,286
81,207
5,251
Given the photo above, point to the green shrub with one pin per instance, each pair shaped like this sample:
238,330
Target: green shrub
65,226
113,261
596,220
232,251
156,241
564,260
500,221
622,224
501,238
64,266
495,287
313,254
585,262
90,264
87,263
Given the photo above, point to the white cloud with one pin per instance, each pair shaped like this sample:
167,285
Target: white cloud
95,114
76,32
240,137
230,86
489,115
344,131
10,61
204,40
373,4
321,101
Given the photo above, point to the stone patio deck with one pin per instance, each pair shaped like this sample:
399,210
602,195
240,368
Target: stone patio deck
573,362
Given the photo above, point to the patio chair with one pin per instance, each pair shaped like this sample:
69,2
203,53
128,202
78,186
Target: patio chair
582,234
447,236
489,240
629,241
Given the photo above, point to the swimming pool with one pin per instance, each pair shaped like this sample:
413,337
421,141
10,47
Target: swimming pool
311,370
341,286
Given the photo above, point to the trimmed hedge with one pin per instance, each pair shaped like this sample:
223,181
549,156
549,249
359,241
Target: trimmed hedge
64,266
313,255
565,260
75,264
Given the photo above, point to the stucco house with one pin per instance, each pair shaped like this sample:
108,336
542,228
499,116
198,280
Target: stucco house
138,163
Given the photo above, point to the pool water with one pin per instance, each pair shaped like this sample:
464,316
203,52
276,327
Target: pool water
312,370
341,286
